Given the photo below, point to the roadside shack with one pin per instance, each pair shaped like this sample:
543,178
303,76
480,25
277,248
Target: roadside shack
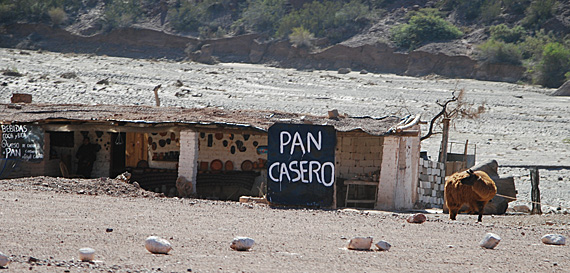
220,153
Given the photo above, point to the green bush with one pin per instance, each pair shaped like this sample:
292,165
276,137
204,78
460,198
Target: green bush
554,65
122,13
7,13
186,16
331,19
301,37
493,51
504,33
264,15
538,12
533,46
57,16
490,10
424,28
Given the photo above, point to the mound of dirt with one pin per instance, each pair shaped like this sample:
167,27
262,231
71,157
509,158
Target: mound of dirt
98,186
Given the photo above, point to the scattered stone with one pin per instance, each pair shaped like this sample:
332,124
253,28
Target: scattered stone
86,254
136,184
521,208
125,177
11,73
4,260
178,83
109,230
157,245
32,260
490,241
103,81
242,243
553,239
21,98
360,243
363,72
344,70
68,75
417,218
333,114
549,223
383,245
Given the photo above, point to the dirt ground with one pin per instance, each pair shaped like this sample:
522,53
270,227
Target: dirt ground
49,219
45,221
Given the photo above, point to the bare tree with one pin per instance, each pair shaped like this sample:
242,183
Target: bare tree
453,108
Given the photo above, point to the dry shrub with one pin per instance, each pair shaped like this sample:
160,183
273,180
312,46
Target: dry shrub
57,16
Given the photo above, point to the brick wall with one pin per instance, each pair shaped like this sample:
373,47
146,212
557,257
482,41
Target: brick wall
431,184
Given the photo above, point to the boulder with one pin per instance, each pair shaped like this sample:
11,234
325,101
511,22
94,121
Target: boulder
553,239
383,245
490,241
521,208
563,90
185,188
4,260
417,218
242,243
157,245
360,243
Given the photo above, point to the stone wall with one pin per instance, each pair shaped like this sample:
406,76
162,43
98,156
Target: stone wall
431,184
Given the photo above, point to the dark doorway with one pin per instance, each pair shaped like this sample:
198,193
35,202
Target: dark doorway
118,144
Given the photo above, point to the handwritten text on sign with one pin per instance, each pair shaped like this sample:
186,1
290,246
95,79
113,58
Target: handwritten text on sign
22,141
301,164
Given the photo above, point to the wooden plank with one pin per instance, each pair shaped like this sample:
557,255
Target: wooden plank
359,182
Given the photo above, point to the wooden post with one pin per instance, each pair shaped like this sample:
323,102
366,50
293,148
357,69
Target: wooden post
444,139
156,98
535,191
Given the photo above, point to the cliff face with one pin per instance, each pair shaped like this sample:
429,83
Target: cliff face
372,56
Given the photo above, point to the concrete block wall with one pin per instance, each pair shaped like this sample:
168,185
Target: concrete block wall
357,155
188,160
431,184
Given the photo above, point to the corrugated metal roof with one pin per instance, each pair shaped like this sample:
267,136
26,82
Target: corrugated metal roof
256,119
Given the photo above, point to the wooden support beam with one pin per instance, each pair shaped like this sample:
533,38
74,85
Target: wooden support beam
535,191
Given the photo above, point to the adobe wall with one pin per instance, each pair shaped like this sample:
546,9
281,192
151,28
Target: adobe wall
357,155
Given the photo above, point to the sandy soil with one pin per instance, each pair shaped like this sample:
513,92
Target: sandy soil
522,125
43,227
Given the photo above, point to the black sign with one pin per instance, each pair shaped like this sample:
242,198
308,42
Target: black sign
24,142
301,167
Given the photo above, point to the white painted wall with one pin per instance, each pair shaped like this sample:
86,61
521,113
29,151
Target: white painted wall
398,187
187,163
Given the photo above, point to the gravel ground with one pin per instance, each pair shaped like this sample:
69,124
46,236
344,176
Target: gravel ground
44,227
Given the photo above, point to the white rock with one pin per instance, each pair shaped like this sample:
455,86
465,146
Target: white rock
383,245
553,239
242,243
157,245
490,241
86,254
4,259
360,243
